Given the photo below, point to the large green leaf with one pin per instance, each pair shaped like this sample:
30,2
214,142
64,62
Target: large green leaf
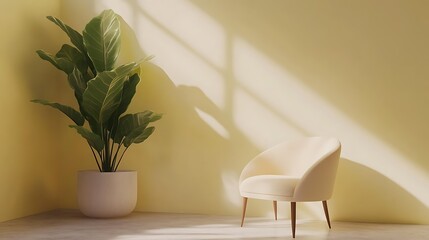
69,111
78,83
61,63
138,135
130,122
93,124
144,135
66,59
93,139
101,38
73,55
103,93
75,37
127,94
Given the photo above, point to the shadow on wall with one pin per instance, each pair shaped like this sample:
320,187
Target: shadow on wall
193,146
368,59
368,63
362,194
338,59
175,164
192,162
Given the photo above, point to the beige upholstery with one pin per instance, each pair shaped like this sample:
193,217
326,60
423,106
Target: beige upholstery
299,171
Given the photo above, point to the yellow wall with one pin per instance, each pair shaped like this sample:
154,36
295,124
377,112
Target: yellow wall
28,172
235,77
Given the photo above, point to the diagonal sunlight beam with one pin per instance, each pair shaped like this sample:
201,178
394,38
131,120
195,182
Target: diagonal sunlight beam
191,26
283,94
269,104
194,55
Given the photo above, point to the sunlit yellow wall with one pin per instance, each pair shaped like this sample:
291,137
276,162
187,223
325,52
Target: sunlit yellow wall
235,77
28,169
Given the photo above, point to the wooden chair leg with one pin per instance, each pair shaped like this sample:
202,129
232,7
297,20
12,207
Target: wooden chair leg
275,209
244,210
325,207
293,217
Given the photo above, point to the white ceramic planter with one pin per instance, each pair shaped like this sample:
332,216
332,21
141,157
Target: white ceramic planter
107,194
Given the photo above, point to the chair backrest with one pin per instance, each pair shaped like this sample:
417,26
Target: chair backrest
317,183
312,159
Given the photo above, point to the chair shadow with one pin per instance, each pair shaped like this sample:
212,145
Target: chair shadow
383,199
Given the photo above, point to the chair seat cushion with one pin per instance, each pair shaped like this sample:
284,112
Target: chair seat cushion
269,186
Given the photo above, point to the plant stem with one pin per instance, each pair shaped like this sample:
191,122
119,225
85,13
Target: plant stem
115,156
111,152
120,159
95,157
107,150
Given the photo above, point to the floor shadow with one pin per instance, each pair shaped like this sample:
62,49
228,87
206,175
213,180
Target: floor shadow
70,224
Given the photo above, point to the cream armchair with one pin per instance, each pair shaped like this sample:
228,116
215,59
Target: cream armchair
299,171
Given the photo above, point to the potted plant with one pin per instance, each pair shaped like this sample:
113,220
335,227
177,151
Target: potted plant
103,93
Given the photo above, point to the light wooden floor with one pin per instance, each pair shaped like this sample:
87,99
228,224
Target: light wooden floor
70,224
